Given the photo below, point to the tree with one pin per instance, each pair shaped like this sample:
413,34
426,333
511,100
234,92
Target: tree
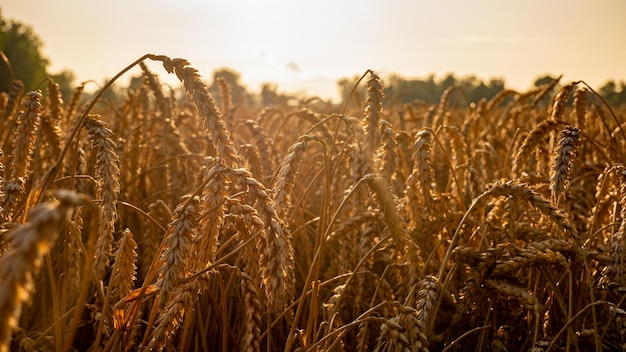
22,48
65,80
544,79
613,93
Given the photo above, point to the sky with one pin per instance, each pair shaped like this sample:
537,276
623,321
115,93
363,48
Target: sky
306,46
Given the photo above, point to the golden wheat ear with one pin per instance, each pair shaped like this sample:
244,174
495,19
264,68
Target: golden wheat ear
562,159
22,151
21,263
107,189
373,111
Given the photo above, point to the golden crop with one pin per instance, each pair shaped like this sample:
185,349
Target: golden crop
164,224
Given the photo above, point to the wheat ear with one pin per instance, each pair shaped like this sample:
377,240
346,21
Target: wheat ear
15,92
546,89
29,243
402,333
107,189
263,143
71,106
73,249
425,301
212,119
251,341
276,250
171,134
183,299
23,146
175,260
214,195
531,140
388,158
50,121
283,186
559,100
55,100
580,106
523,192
373,112
252,158
396,226
422,176
562,159
123,275
124,270
225,94
498,98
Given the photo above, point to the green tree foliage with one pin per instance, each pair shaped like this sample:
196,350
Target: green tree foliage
65,79
22,48
544,80
614,93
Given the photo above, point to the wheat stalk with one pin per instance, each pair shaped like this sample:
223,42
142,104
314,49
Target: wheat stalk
153,233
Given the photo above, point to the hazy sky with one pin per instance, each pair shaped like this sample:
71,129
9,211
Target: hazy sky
310,44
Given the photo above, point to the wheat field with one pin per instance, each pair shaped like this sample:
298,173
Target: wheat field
200,224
